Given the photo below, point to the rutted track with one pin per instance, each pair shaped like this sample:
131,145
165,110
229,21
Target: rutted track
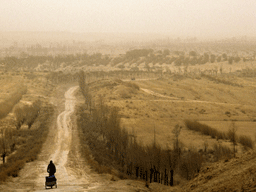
56,148
67,180
73,173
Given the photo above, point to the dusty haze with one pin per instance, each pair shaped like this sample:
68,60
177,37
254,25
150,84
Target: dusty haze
183,18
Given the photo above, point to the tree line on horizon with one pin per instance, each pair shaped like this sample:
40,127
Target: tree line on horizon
136,56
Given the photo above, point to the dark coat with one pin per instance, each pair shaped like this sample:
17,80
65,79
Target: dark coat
51,169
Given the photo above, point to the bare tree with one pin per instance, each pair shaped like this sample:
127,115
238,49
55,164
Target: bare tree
26,114
7,143
81,80
20,116
176,132
85,89
206,144
232,136
32,113
3,145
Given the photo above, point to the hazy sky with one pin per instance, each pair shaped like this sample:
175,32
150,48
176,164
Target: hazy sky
179,17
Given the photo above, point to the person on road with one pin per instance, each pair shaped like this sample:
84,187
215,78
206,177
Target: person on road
51,169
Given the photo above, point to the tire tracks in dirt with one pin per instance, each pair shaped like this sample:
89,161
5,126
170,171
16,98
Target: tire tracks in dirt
56,148
62,147
67,180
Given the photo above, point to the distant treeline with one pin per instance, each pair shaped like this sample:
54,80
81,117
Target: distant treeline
32,62
60,77
132,56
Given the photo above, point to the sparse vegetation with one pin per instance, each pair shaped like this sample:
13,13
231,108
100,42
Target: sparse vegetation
26,114
6,106
232,136
214,133
105,144
31,147
20,116
85,89
246,141
205,129
217,80
32,113
7,142
222,152
112,146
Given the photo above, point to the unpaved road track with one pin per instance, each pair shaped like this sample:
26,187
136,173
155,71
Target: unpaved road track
62,147
67,180
56,148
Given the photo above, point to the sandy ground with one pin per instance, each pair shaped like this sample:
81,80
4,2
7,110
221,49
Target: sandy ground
56,148
237,174
62,147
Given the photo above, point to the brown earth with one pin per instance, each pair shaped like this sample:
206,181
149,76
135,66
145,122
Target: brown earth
62,146
160,104
238,174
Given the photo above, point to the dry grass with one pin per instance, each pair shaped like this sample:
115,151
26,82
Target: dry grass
222,152
246,128
132,85
26,114
142,112
27,142
205,129
7,105
218,80
190,164
113,147
246,141
198,98
30,148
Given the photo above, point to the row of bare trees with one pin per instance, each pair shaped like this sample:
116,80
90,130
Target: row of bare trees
22,146
84,88
114,146
7,142
230,135
24,114
7,105
27,114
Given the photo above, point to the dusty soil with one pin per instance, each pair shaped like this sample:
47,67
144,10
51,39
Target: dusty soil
56,148
62,147
160,104
235,175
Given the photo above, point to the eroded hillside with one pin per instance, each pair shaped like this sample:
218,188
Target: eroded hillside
235,175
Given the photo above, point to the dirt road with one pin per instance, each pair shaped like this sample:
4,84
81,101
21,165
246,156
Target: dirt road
68,179
56,148
62,147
